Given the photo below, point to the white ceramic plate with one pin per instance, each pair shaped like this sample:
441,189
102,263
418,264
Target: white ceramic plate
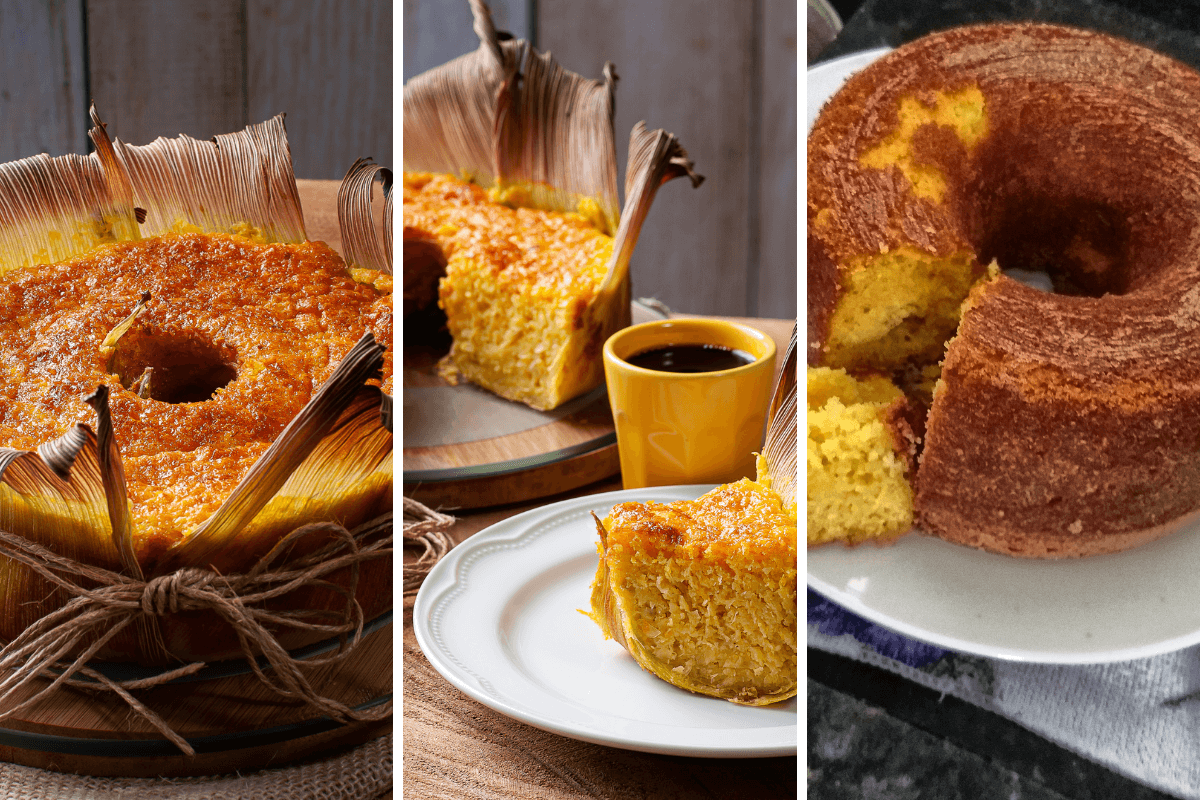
1117,607
1105,608
499,618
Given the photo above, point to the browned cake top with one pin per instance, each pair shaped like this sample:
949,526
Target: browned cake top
1113,110
529,250
256,328
1088,155
1065,422
738,520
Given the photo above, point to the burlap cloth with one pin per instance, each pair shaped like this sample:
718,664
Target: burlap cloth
363,773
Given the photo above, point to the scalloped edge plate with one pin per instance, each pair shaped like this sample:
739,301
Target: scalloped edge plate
499,617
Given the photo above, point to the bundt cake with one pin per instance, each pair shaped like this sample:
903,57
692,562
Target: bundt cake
1063,423
511,211
521,288
702,593
243,386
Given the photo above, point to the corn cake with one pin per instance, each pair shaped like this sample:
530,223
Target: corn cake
702,593
240,335
859,458
520,290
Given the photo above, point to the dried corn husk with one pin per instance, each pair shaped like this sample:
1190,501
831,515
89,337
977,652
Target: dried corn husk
367,245
223,185
54,208
781,450
333,462
508,117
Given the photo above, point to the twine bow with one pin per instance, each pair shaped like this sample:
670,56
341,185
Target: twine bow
104,603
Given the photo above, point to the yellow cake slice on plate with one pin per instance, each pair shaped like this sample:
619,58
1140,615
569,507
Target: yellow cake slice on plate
702,593
862,438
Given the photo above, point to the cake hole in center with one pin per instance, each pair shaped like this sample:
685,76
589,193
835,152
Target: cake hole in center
185,368
1067,246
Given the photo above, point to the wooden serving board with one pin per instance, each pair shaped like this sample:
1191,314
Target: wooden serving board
234,723
465,447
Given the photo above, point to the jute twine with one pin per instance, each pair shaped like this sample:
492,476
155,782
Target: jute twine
104,603
426,528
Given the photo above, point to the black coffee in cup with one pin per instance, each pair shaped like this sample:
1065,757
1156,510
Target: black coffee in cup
691,358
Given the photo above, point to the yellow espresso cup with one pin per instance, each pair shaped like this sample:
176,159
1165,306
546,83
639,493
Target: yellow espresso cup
688,427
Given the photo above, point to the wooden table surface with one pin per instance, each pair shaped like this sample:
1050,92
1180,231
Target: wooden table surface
457,748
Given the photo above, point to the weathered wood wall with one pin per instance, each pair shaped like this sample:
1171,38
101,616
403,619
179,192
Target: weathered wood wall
200,67
42,79
436,31
722,76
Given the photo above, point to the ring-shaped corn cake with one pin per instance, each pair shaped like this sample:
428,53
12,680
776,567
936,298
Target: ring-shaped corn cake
1064,423
238,334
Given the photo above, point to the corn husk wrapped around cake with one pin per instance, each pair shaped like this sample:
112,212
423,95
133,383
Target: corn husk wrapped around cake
531,294
703,593
69,496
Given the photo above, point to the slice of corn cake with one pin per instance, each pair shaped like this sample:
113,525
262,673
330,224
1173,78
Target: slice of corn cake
702,593
861,445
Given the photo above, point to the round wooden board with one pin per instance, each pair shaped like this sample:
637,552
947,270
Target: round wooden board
234,723
467,448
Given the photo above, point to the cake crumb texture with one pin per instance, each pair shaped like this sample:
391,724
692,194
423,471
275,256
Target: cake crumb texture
858,478
703,593
518,290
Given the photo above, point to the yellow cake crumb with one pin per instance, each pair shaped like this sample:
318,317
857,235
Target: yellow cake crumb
703,592
521,289
899,306
858,484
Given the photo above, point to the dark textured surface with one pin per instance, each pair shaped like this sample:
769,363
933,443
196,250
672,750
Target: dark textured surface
852,755
872,734
1171,28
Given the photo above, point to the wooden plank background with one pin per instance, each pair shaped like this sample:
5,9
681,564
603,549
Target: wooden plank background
436,31
721,75
200,67
42,91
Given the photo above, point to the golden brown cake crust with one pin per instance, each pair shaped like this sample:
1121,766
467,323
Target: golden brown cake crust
737,519
823,290
282,315
702,592
1066,423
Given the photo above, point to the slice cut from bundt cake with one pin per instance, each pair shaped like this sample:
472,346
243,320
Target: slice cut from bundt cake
861,446
702,593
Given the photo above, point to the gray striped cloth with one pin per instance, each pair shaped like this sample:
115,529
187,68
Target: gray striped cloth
1138,718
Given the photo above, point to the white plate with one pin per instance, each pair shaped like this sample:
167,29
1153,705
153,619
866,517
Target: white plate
1116,607
1081,611
499,618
